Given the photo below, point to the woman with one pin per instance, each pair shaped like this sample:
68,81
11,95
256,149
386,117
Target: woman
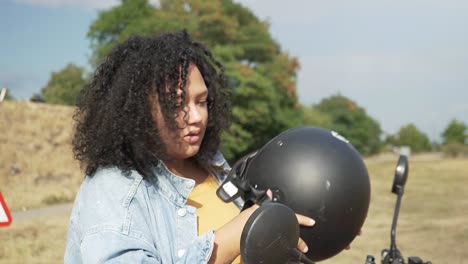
148,132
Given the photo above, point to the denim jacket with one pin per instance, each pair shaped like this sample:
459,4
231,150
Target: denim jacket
128,219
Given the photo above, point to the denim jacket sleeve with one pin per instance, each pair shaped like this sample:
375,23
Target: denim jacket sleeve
128,249
111,246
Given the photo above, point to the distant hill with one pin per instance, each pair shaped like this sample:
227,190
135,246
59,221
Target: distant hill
36,162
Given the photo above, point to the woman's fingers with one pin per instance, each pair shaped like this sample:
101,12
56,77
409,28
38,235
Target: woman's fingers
304,220
302,246
270,194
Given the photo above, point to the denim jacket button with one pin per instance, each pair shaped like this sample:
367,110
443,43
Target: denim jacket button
181,212
189,185
180,253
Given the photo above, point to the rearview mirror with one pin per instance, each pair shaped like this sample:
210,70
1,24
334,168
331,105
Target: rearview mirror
401,175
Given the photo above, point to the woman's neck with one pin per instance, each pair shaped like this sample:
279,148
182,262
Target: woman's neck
179,166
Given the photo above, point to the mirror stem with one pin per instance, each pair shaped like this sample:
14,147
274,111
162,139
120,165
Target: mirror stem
393,248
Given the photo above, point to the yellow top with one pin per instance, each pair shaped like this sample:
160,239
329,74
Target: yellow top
212,212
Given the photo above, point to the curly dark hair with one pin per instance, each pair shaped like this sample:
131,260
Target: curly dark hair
115,126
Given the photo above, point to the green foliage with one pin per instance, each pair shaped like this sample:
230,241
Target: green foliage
454,150
117,24
64,86
262,77
37,98
456,132
409,135
8,96
259,111
314,117
352,121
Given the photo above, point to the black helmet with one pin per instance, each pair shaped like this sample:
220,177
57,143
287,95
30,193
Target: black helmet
316,173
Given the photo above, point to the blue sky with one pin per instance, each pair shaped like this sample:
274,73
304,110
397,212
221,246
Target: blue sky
403,61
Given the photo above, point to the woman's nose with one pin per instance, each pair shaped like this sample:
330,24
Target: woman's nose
194,115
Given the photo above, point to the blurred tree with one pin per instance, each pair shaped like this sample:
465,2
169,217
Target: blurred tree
409,135
456,132
115,25
8,96
262,77
314,117
63,86
352,122
37,98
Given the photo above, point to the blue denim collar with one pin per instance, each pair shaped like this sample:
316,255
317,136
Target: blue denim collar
174,187
177,188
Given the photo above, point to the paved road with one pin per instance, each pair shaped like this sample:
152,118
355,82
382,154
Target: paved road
54,210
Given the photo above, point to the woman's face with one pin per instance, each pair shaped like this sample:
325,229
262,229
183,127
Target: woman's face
185,142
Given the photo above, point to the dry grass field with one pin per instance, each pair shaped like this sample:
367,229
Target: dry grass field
36,163
37,169
433,220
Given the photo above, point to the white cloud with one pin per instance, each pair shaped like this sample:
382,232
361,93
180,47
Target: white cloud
310,10
8,79
18,84
101,4
91,4
397,88
369,71
460,108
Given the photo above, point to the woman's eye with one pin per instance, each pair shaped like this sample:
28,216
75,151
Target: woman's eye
202,102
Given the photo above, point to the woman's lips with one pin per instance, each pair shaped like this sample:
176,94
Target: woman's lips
192,138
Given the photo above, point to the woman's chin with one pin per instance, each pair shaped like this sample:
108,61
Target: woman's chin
188,152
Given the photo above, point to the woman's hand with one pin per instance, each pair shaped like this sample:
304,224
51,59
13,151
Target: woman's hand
304,221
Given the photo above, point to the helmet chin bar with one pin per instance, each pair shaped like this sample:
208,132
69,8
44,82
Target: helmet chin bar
236,185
